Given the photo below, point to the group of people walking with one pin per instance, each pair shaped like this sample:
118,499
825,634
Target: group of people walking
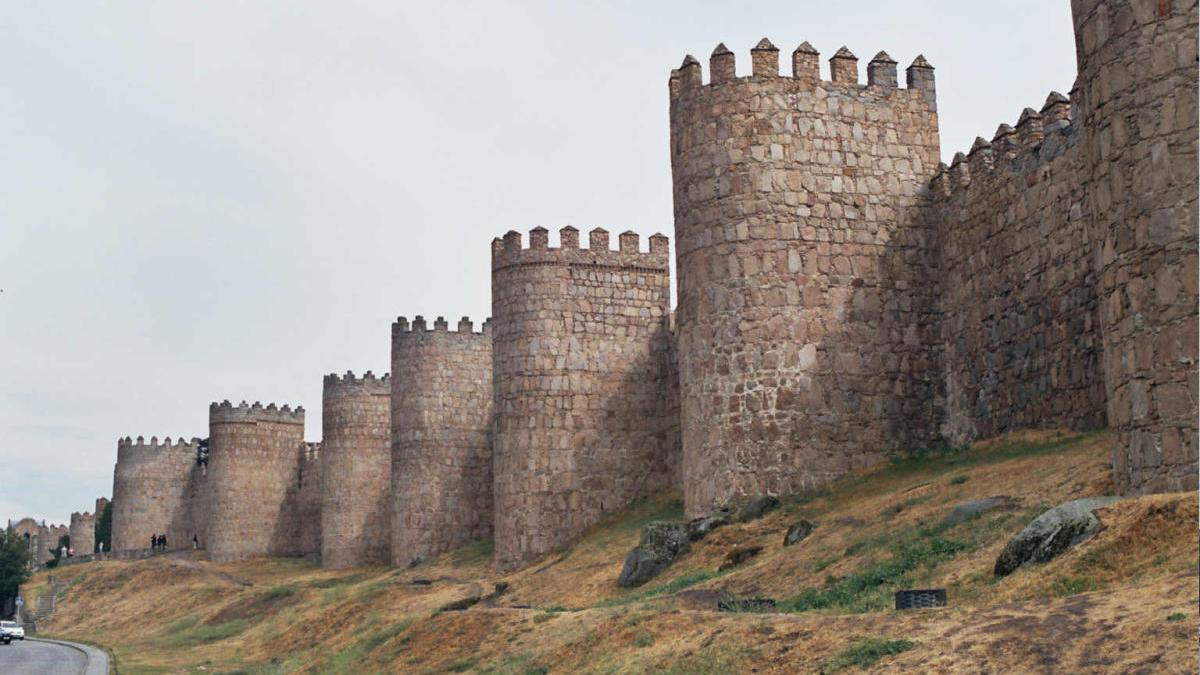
158,542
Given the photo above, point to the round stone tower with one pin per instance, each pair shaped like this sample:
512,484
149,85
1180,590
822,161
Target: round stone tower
83,533
150,493
1138,99
253,457
806,317
579,339
441,437
356,461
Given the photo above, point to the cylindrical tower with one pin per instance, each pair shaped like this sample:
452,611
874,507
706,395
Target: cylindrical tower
253,457
1138,93
441,437
807,323
579,339
150,493
83,533
357,458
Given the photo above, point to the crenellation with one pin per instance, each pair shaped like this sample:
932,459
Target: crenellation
806,64
843,67
721,66
881,71
598,254
764,59
1029,130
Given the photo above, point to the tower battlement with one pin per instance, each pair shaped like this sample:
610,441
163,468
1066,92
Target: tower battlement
1038,138
140,444
349,383
255,412
509,252
418,328
687,87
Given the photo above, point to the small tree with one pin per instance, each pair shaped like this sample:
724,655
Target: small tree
15,563
104,528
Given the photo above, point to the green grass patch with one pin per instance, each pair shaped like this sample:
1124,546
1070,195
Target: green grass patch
278,592
204,634
371,591
866,653
1177,616
897,508
870,589
643,639
462,666
959,480
1064,586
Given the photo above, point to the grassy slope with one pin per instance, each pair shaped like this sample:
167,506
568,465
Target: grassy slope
1123,600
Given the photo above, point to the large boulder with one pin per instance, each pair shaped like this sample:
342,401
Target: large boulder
975,508
798,532
698,528
661,543
1051,533
756,508
738,556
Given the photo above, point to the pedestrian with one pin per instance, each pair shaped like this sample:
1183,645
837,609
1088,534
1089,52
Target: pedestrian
153,542
195,542
164,542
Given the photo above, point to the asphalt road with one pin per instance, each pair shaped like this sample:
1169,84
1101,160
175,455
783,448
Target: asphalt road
37,657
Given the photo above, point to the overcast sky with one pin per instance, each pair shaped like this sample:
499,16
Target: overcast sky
214,200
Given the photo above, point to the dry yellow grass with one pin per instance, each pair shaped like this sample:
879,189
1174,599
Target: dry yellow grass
1104,606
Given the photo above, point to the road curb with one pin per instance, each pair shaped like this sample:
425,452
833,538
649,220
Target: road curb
95,660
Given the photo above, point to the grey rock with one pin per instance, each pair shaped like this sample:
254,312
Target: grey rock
975,508
756,508
1051,533
798,532
660,544
738,556
698,528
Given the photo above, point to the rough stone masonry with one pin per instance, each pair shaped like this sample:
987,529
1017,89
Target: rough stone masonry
842,297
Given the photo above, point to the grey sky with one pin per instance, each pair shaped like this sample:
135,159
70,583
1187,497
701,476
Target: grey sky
217,200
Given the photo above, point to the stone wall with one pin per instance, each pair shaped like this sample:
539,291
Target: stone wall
151,492
47,542
310,500
357,459
83,533
1020,325
1138,108
807,320
441,437
250,503
579,340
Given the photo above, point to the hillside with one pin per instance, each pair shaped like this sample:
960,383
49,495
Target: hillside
1124,600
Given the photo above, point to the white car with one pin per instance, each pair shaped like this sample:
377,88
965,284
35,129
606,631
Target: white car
11,630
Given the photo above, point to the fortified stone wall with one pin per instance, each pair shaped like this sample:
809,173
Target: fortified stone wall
357,458
83,533
807,319
253,469
441,437
1138,106
310,500
1020,322
579,342
47,541
151,492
